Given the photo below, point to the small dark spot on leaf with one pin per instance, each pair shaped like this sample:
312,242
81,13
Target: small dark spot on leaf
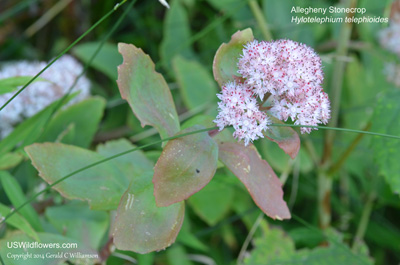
197,171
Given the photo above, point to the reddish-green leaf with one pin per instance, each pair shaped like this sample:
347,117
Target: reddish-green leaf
146,91
185,166
140,225
227,56
258,177
287,138
102,186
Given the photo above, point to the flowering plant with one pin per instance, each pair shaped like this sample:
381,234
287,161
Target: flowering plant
287,73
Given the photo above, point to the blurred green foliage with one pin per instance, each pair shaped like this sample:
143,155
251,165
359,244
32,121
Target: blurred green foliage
182,41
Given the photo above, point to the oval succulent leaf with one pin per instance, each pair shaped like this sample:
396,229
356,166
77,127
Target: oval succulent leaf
54,161
146,91
226,59
287,138
258,177
185,166
140,225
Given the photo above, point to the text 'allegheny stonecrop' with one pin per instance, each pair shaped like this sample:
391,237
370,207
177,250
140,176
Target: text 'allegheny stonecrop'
286,77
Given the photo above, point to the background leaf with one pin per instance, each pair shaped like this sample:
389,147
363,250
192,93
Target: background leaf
176,34
386,119
75,220
29,130
213,202
17,197
195,83
106,60
274,247
10,160
146,91
18,222
185,166
11,84
54,161
84,116
140,225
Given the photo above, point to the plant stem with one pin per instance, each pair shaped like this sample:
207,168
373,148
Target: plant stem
249,237
324,180
348,151
362,227
336,83
324,199
261,21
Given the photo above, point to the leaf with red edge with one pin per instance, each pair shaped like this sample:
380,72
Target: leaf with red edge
140,225
226,59
258,177
146,91
287,138
185,166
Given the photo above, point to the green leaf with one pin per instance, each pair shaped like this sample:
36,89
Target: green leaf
16,196
140,225
131,165
177,256
85,117
258,177
18,222
386,151
48,246
238,9
106,61
273,244
195,83
11,84
146,91
275,248
213,202
28,131
10,160
185,166
176,35
287,138
102,186
227,56
75,220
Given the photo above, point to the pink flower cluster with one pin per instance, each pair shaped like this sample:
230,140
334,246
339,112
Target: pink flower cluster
288,74
239,108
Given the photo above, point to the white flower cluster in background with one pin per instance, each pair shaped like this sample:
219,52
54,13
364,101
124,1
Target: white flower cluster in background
288,74
58,79
392,72
389,39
